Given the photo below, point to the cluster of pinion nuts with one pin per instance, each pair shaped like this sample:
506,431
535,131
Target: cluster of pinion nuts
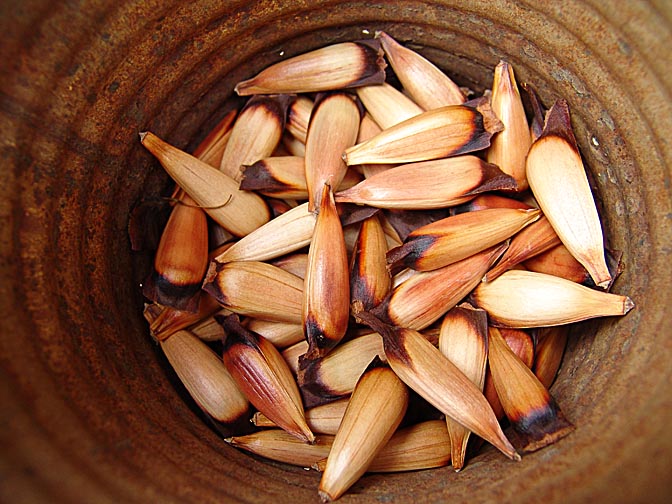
356,275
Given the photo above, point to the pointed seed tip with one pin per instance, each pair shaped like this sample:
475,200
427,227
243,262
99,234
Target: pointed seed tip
142,135
628,305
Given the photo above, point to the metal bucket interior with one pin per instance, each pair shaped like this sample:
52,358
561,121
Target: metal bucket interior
90,410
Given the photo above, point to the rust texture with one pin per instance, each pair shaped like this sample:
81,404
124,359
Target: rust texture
89,409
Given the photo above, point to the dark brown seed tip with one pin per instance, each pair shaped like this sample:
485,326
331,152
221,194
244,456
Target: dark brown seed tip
235,332
541,428
257,177
410,252
494,179
558,123
367,318
374,72
537,123
319,344
210,285
277,104
183,297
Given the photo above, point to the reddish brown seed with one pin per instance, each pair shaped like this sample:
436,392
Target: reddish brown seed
560,262
370,279
420,446
286,233
551,343
326,303
278,445
520,343
298,117
211,149
205,377
164,321
426,185
459,236
423,368
181,259
368,128
281,334
256,289
424,297
239,212
525,299
335,375
491,200
535,239
532,411
256,133
509,147
387,105
463,339
264,377
522,350
285,177
296,263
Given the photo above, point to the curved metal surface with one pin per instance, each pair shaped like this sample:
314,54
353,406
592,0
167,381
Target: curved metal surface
89,410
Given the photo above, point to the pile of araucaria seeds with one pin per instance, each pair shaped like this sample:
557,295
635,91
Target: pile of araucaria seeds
341,248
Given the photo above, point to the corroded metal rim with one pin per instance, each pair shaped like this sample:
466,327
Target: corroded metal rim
88,412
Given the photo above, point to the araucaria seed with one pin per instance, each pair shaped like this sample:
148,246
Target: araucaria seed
528,299
426,370
554,161
337,66
333,128
509,147
326,300
264,377
375,410
534,414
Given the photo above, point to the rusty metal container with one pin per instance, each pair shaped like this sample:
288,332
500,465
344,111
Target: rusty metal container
90,412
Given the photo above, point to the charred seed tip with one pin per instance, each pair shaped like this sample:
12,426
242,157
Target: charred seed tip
225,320
558,123
369,319
410,251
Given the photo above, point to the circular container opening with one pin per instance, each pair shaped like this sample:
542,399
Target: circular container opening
92,411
